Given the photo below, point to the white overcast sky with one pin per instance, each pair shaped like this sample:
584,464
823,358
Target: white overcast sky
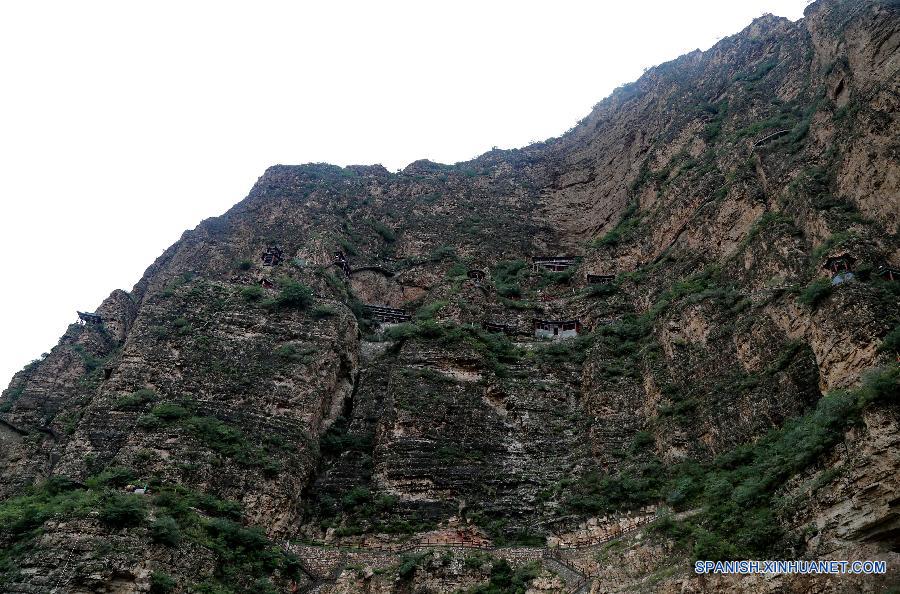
124,123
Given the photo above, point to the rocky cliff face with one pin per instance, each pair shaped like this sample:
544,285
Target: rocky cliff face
727,395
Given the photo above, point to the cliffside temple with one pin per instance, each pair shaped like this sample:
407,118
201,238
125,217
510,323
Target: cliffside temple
552,263
272,256
556,328
664,340
600,279
89,318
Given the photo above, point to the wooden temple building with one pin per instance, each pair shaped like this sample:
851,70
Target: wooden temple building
89,318
839,263
551,263
600,279
555,329
272,256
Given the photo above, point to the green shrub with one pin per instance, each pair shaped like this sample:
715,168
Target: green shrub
294,295
604,290
264,586
243,555
320,312
159,331
834,241
161,583
509,271
121,510
891,342
169,411
507,276
626,225
711,131
148,422
408,565
573,350
337,439
91,362
457,270
165,530
113,476
508,290
758,73
136,399
219,436
386,233
56,497
738,494
401,331
234,535
356,496
445,252
386,503
477,560
642,440
427,312
815,292
252,293
505,580
177,502
290,352
631,488
182,324
556,278
880,385
347,247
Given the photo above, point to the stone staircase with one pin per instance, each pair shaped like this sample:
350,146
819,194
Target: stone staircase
576,581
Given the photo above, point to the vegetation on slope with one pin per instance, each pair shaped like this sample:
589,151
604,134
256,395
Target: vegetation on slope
738,492
245,558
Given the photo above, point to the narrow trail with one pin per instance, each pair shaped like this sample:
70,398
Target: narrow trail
576,581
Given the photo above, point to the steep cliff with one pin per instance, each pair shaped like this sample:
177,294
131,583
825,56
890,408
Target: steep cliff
726,229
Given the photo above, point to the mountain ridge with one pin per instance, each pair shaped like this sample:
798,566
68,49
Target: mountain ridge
731,392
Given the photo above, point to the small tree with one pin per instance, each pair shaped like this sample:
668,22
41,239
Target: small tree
815,292
294,295
252,293
165,530
161,583
120,511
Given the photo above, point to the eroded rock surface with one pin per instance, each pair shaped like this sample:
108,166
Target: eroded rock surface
715,402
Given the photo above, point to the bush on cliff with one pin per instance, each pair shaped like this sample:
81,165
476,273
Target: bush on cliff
252,293
293,295
165,530
161,583
815,292
243,554
891,342
737,492
386,233
121,510
505,580
507,276
135,399
56,497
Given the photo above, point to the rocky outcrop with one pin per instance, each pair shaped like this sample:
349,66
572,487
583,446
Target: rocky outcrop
457,450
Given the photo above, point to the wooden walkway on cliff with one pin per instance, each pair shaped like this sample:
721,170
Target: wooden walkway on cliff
387,315
577,582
